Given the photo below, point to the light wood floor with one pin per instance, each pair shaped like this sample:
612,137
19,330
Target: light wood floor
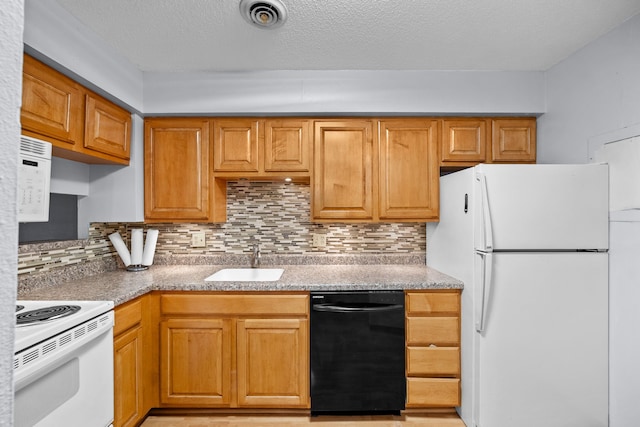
434,419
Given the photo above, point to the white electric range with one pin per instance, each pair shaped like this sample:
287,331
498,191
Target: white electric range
63,362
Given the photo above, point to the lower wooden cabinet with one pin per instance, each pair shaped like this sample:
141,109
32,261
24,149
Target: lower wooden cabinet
251,350
433,349
234,350
272,363
195,362
127,360
134,356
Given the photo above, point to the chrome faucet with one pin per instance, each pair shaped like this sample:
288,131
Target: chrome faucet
255,257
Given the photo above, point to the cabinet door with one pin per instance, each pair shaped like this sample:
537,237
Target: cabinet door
286,145
176,169
409,169
127,359
513,140
195,362
343,170
235,145
51,104
273,363
107,127
464,140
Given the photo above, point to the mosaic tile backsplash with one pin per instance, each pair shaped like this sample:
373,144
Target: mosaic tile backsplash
273,214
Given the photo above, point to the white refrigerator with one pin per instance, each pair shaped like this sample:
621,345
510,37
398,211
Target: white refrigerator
530,243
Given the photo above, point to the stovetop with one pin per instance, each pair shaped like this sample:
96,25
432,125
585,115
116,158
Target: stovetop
37,321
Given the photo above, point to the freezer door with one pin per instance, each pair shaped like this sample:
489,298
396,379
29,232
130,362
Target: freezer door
541,207
542,357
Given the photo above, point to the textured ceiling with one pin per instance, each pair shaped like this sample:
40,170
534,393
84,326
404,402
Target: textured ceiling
211,35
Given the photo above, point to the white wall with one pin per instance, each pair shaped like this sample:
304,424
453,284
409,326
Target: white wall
345,92
593,97
56,37
11,27
592,93
116,193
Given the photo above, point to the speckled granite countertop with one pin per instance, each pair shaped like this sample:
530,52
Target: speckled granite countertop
121,286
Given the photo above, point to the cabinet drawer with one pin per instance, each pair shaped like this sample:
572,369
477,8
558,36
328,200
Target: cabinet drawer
433,361
433,302
426,392
127,315
240,304
433,330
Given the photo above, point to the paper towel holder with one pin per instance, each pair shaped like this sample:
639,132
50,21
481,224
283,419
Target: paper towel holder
143,257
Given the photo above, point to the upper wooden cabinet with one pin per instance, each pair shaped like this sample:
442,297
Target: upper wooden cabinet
261,147
80,124
287,145
107,127
178,183
343,170
469,141
513,140
409,172
465,140
51,104
362,169
235,145
393,179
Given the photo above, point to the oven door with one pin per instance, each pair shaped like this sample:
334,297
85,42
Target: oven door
73,389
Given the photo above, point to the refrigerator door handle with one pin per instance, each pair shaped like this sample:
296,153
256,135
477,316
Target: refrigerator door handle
487,230
485,288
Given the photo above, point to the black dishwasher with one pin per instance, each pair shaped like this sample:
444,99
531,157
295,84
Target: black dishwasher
357,352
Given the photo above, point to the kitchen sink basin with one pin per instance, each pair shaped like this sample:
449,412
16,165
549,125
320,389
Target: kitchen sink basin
246,275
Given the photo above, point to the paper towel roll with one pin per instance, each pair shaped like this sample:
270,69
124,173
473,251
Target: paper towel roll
149,247
121,248
136,246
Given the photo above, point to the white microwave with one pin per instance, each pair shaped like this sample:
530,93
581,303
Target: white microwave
34,180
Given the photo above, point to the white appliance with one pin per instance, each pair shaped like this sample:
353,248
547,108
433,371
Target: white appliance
34,180
530,243
63,364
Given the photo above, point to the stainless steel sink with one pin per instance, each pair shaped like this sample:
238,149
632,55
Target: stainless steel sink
246,275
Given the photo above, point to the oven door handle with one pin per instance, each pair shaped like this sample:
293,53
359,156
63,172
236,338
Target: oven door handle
346,308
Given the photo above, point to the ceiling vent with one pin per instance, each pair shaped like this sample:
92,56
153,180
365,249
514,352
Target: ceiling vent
267,14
